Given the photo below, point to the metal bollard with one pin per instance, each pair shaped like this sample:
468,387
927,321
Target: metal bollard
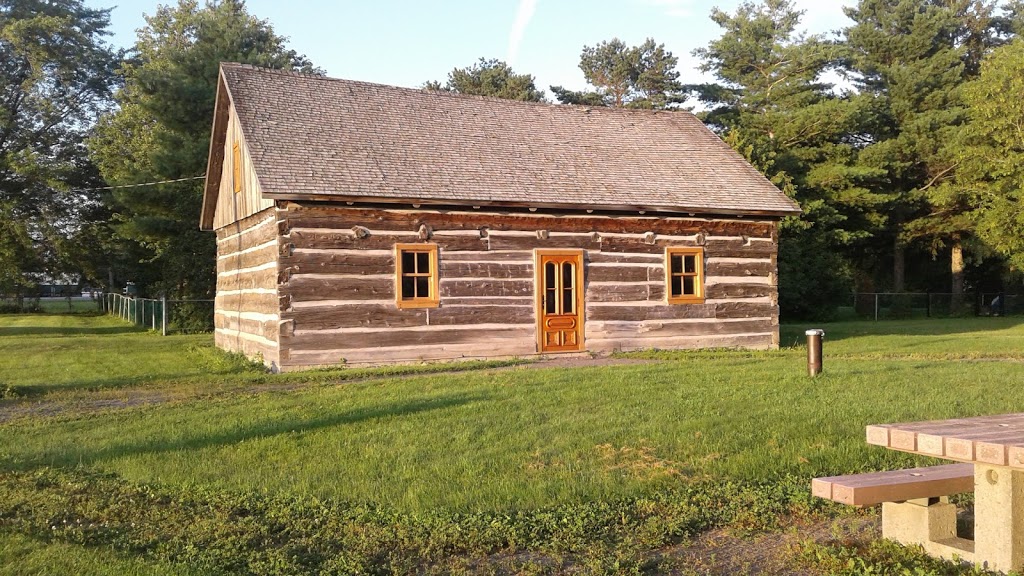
814,360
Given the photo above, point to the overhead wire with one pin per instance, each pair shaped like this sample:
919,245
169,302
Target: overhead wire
140,184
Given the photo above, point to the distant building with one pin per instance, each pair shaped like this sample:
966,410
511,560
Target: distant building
362,223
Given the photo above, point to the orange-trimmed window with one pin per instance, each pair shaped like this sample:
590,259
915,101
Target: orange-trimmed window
236,161
684,275
416,281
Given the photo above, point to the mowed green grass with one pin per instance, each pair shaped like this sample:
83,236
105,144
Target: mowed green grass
529,438
24,556
46,353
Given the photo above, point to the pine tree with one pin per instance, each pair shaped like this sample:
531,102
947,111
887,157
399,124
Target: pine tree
911,57
490,78
161,131
56,74
643,76
773,107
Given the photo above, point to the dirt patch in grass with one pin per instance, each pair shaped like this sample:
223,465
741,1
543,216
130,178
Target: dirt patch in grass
724,552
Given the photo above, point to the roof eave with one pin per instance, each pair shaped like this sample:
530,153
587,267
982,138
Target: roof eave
687,210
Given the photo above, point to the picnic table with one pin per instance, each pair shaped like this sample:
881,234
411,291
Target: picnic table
994,446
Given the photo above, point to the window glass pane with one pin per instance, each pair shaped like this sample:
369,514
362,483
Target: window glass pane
689,286
567,275
549,302
690,264
677,264
408,288
568,301
677,286
549,275
422,287
423,262
408,261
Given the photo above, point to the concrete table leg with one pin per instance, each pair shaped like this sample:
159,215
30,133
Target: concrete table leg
998,517
929,523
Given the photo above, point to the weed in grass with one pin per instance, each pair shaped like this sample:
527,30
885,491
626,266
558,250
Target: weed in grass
879,558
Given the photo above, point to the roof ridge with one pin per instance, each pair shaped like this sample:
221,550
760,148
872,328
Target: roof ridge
456,95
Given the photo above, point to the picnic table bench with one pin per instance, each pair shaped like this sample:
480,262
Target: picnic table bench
915,504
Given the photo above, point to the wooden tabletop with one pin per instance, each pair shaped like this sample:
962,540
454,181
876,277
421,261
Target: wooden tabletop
996,440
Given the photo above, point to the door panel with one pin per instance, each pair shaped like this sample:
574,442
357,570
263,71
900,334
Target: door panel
560,300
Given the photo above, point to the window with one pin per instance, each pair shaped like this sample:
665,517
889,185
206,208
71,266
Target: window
416,276
684,275
236,160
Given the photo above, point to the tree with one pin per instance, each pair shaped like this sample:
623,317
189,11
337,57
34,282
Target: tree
642,76
490,78
161,131
992,155
772,107
56,74
911,58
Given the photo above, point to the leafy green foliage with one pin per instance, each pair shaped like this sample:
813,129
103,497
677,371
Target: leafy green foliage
161,131
491,78
991,160
56,73
641,76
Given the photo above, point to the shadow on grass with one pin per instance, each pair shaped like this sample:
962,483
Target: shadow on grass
257,431
68,330
792,334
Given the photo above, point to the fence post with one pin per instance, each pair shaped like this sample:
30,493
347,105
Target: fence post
928,304
876,306
163,313
154,315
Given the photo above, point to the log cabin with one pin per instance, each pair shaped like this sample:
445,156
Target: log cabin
358,223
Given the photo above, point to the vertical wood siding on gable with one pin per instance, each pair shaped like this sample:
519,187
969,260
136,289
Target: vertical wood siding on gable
234,206
337,284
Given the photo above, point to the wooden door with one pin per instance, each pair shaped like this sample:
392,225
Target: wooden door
560,300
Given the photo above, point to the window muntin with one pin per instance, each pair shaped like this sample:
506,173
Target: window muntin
684,275
416,277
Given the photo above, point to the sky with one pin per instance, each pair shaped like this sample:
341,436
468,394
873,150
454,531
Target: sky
409,42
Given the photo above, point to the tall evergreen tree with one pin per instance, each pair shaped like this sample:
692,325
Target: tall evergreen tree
911,58
490,78
161,131
643,76
56,74
773,107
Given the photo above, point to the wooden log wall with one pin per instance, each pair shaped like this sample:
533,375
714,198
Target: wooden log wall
337,291
247,310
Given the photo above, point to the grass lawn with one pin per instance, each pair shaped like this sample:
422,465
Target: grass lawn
595,466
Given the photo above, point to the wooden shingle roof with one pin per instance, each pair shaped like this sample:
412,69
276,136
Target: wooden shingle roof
311,137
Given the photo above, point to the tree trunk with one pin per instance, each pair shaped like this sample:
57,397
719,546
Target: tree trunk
899,266
957,268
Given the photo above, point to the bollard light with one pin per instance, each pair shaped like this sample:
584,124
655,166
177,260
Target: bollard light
814,338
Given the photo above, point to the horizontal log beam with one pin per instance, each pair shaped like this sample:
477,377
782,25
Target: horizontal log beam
399,337
660,330
250,259
311,216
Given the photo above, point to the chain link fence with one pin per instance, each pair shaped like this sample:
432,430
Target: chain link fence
163,315
903,305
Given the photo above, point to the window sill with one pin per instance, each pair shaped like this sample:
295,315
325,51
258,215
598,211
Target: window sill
403,304
695,300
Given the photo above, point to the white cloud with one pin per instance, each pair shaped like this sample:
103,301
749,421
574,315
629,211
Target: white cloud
523,16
